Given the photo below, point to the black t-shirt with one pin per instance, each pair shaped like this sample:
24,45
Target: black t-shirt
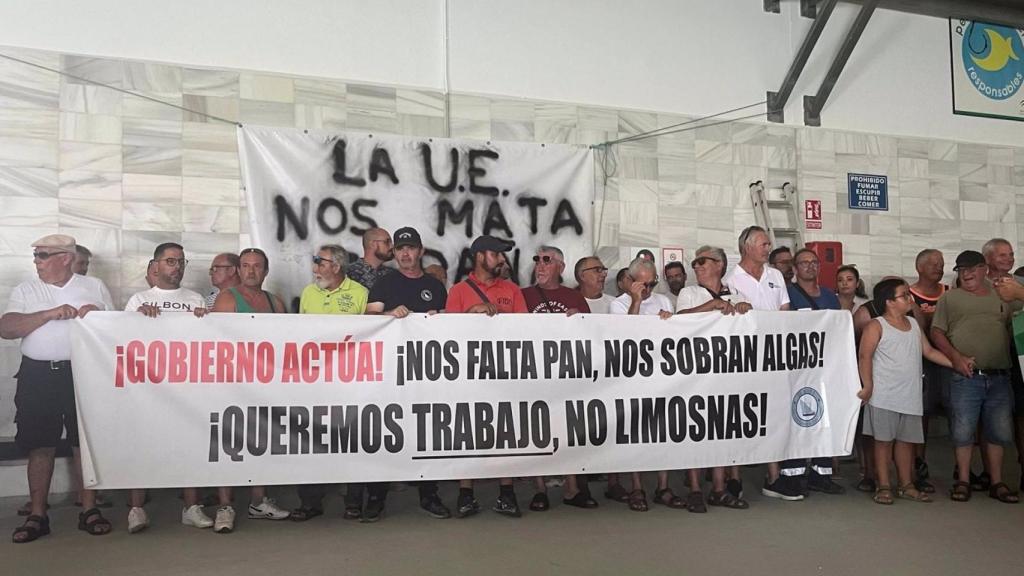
421,294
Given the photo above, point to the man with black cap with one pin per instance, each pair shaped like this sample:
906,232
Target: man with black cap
45,398
971,327
484,291
407,292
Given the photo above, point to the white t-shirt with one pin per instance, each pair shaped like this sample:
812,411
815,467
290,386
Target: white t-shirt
177,300
650,307
767,293
52,341
600,305
693,296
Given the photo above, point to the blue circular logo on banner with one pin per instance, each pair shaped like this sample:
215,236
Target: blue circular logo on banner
993,59
807,408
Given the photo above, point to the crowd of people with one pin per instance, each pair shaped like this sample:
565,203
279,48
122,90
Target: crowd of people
924,349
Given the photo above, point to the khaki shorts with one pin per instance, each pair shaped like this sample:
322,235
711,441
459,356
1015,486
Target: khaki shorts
888,425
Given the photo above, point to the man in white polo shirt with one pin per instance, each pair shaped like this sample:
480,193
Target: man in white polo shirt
167,295
45,398
765,289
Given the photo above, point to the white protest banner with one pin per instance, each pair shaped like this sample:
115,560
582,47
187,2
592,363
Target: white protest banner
988,69
308,188
235,399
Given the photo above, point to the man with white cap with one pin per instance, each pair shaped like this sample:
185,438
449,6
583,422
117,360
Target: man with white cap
45,399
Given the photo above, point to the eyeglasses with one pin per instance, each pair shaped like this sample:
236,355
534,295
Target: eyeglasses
904,296
546,259
173,262
216,267
45,255
320,259
703,260
598,268
808,264
650,285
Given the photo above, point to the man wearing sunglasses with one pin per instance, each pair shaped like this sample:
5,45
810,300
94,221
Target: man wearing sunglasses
334,292
167,295
223,275
37,313
484,291
591,275
765,289
377,250
550,296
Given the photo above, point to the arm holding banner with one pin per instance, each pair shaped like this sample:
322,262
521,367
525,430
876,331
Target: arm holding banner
15,325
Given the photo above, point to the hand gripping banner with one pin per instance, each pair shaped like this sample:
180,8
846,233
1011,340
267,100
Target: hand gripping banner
236,399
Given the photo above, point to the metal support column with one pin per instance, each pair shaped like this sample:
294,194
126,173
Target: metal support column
814,104
777,100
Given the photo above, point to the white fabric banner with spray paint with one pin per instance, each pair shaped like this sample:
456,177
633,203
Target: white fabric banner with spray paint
306,188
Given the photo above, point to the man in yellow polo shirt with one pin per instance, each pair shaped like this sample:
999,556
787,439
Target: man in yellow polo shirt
332,292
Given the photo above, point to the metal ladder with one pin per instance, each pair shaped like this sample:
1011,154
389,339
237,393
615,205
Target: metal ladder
784,228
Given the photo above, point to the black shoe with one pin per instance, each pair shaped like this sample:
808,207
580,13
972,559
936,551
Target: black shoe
432,505
921,469
506,504
735,487
824,484
374,510
783,489
981,483
468,506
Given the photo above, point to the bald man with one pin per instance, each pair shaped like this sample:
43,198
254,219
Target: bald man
377,249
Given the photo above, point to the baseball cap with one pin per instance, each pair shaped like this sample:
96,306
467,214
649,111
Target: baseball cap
56,243
968,259
485,243
407,237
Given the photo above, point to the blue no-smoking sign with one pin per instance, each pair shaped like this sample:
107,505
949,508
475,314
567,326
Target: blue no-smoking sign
868,191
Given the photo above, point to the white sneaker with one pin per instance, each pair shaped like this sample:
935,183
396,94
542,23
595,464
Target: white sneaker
137,520
225,521
194,516
268,510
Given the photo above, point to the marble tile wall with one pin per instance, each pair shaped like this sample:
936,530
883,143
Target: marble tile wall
123,173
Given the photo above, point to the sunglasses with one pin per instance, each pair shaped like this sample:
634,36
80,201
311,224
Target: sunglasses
703,260
319,259
598,268
45,255
544,259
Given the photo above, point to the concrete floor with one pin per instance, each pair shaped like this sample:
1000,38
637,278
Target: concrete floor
829,535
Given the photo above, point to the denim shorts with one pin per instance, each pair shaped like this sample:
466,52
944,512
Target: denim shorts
987,397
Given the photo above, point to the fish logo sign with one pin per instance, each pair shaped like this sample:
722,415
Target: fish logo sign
992,57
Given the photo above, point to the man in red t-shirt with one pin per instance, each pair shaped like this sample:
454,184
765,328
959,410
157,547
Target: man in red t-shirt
486,292
549,296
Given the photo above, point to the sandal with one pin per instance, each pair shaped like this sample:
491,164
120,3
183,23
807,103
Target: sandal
728,500
668,498
99,525
910,492
617,493
638,501
352,513
580,500
866,485
960,492
303,514
1001,492
540,502
33,528
883,495
695,502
